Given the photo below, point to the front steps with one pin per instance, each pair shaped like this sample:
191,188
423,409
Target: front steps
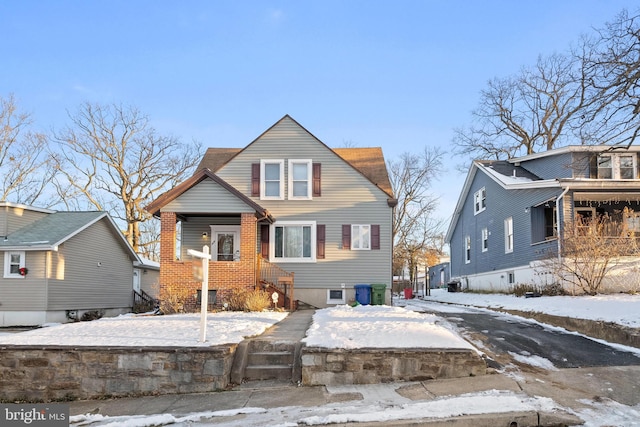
259,360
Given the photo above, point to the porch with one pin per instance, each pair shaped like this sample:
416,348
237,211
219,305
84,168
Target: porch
236,264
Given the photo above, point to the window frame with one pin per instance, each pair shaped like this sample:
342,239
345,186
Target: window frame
336,300
480,201
291,181
358,236
312,243
7,264
485,239
467,249
615,166
263,179
225,229
508,235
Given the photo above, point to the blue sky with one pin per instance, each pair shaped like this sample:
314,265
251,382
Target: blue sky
395,74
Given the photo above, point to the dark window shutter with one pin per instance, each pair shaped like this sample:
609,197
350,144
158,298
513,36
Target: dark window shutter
346,236
264,240
375,236
320,241
317,181
255,179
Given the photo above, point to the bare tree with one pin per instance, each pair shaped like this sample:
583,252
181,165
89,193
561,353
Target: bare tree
591,248
526,113
611,61
591,95
416,230
25,168
114,160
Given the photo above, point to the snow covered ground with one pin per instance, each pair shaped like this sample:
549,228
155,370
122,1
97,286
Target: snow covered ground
347,327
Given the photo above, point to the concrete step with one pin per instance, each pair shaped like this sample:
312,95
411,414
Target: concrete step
268,372
270,358
265,346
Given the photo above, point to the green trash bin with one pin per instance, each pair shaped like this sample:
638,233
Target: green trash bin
377,293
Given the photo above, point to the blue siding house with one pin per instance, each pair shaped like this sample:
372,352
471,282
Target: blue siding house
510,213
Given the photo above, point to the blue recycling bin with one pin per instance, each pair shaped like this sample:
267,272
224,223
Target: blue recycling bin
363,294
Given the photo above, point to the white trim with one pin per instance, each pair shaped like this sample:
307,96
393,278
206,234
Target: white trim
227,229
263,163
272,241
360,236
467,249
335,300
485,239
480,201
309,165
508,235
7,264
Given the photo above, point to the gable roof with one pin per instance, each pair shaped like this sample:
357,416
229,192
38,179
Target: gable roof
155,206
505,174
51,231
368,161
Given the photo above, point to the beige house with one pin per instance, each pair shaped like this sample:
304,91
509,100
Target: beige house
285,213
58,265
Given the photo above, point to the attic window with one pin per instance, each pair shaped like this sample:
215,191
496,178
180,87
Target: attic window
479,201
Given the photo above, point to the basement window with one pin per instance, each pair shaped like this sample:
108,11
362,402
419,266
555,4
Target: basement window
335,296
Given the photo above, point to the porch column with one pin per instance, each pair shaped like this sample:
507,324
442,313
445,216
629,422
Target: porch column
167,251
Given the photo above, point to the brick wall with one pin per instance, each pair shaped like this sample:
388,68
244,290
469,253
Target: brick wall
176,277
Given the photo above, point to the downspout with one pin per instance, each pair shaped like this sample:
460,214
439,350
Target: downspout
558,204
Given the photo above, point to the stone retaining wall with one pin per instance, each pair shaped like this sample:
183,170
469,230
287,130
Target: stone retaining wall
321,366
44,374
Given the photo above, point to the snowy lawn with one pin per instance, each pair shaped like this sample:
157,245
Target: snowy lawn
380,326
176,330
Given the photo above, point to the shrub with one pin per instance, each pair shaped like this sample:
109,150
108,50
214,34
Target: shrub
255,300
91,315
176,301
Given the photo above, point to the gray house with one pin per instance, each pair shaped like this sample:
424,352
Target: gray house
287,214
58,265
510,213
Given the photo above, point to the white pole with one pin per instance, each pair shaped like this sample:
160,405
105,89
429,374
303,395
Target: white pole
204,300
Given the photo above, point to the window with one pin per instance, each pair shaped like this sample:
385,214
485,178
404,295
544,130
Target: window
485,240
335,296
617,166
13,262
479,201
225,243
272,185
294,241
361,237
467,250
511,277
508,235
543,223
300,179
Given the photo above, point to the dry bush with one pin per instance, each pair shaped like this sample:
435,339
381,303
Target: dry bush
255,300
176,300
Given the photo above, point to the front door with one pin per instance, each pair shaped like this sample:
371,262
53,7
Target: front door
225,243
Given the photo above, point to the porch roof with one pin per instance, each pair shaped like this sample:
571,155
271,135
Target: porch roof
154,207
